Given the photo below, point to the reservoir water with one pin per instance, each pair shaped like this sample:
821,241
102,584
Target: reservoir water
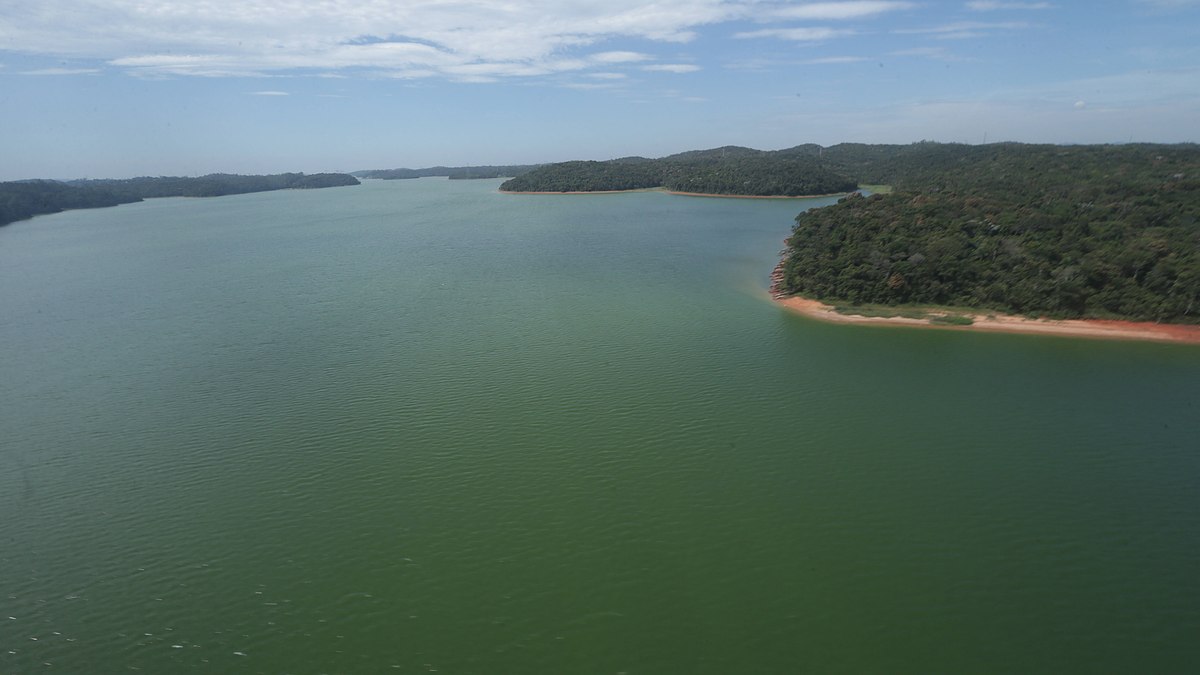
422,426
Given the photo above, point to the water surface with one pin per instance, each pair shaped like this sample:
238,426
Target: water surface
422,425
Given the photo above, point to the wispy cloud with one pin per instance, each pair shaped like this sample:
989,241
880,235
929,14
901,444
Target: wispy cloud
796,34
935,53
269,93
61,71
672,68
835,59
964,29
619,57
231,37
462,40
986,6
832,11
588,86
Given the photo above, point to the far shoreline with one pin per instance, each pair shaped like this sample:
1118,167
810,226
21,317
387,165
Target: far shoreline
666,191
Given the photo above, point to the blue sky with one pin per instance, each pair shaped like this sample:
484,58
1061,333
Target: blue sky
113,88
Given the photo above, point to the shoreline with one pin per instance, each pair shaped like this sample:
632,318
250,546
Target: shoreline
1103,329
666,191
577,192
711,194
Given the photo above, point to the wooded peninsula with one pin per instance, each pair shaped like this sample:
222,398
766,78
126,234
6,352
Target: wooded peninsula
1100,231
730,170
20,200
1064,232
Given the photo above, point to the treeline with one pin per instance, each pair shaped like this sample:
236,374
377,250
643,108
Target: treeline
215,185
1056,231
588,176
451,172
24,199
729,170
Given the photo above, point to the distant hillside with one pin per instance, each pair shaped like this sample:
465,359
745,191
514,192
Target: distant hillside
729,170
25,199
452,172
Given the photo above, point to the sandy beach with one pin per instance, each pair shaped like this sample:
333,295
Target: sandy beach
1085,328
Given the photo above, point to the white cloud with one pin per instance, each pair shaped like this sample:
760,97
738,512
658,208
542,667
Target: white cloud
619,57
832,11
607,76
968,28
936,53
835,59
450,38
588,86
269,93
61,71
796,34
463,40
672,68
985,6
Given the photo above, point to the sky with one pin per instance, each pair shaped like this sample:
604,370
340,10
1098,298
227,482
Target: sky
120,88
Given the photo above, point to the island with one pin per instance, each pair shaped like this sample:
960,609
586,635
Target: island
20,200
727,171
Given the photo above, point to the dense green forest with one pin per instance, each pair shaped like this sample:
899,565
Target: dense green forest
728,170
1058,231
25,199
451,172
588,176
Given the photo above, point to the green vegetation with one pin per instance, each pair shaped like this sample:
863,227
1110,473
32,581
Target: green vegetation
588,177
730,170
936,315
882,311
25,199
878,189
1057,231
951,320
451,172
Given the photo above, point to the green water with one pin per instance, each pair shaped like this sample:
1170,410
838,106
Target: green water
420,426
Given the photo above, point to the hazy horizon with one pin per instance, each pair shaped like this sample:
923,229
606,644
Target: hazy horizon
501,163
120,88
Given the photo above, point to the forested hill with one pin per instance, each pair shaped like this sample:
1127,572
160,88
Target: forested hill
25,199
730,170
1056,231
451,172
